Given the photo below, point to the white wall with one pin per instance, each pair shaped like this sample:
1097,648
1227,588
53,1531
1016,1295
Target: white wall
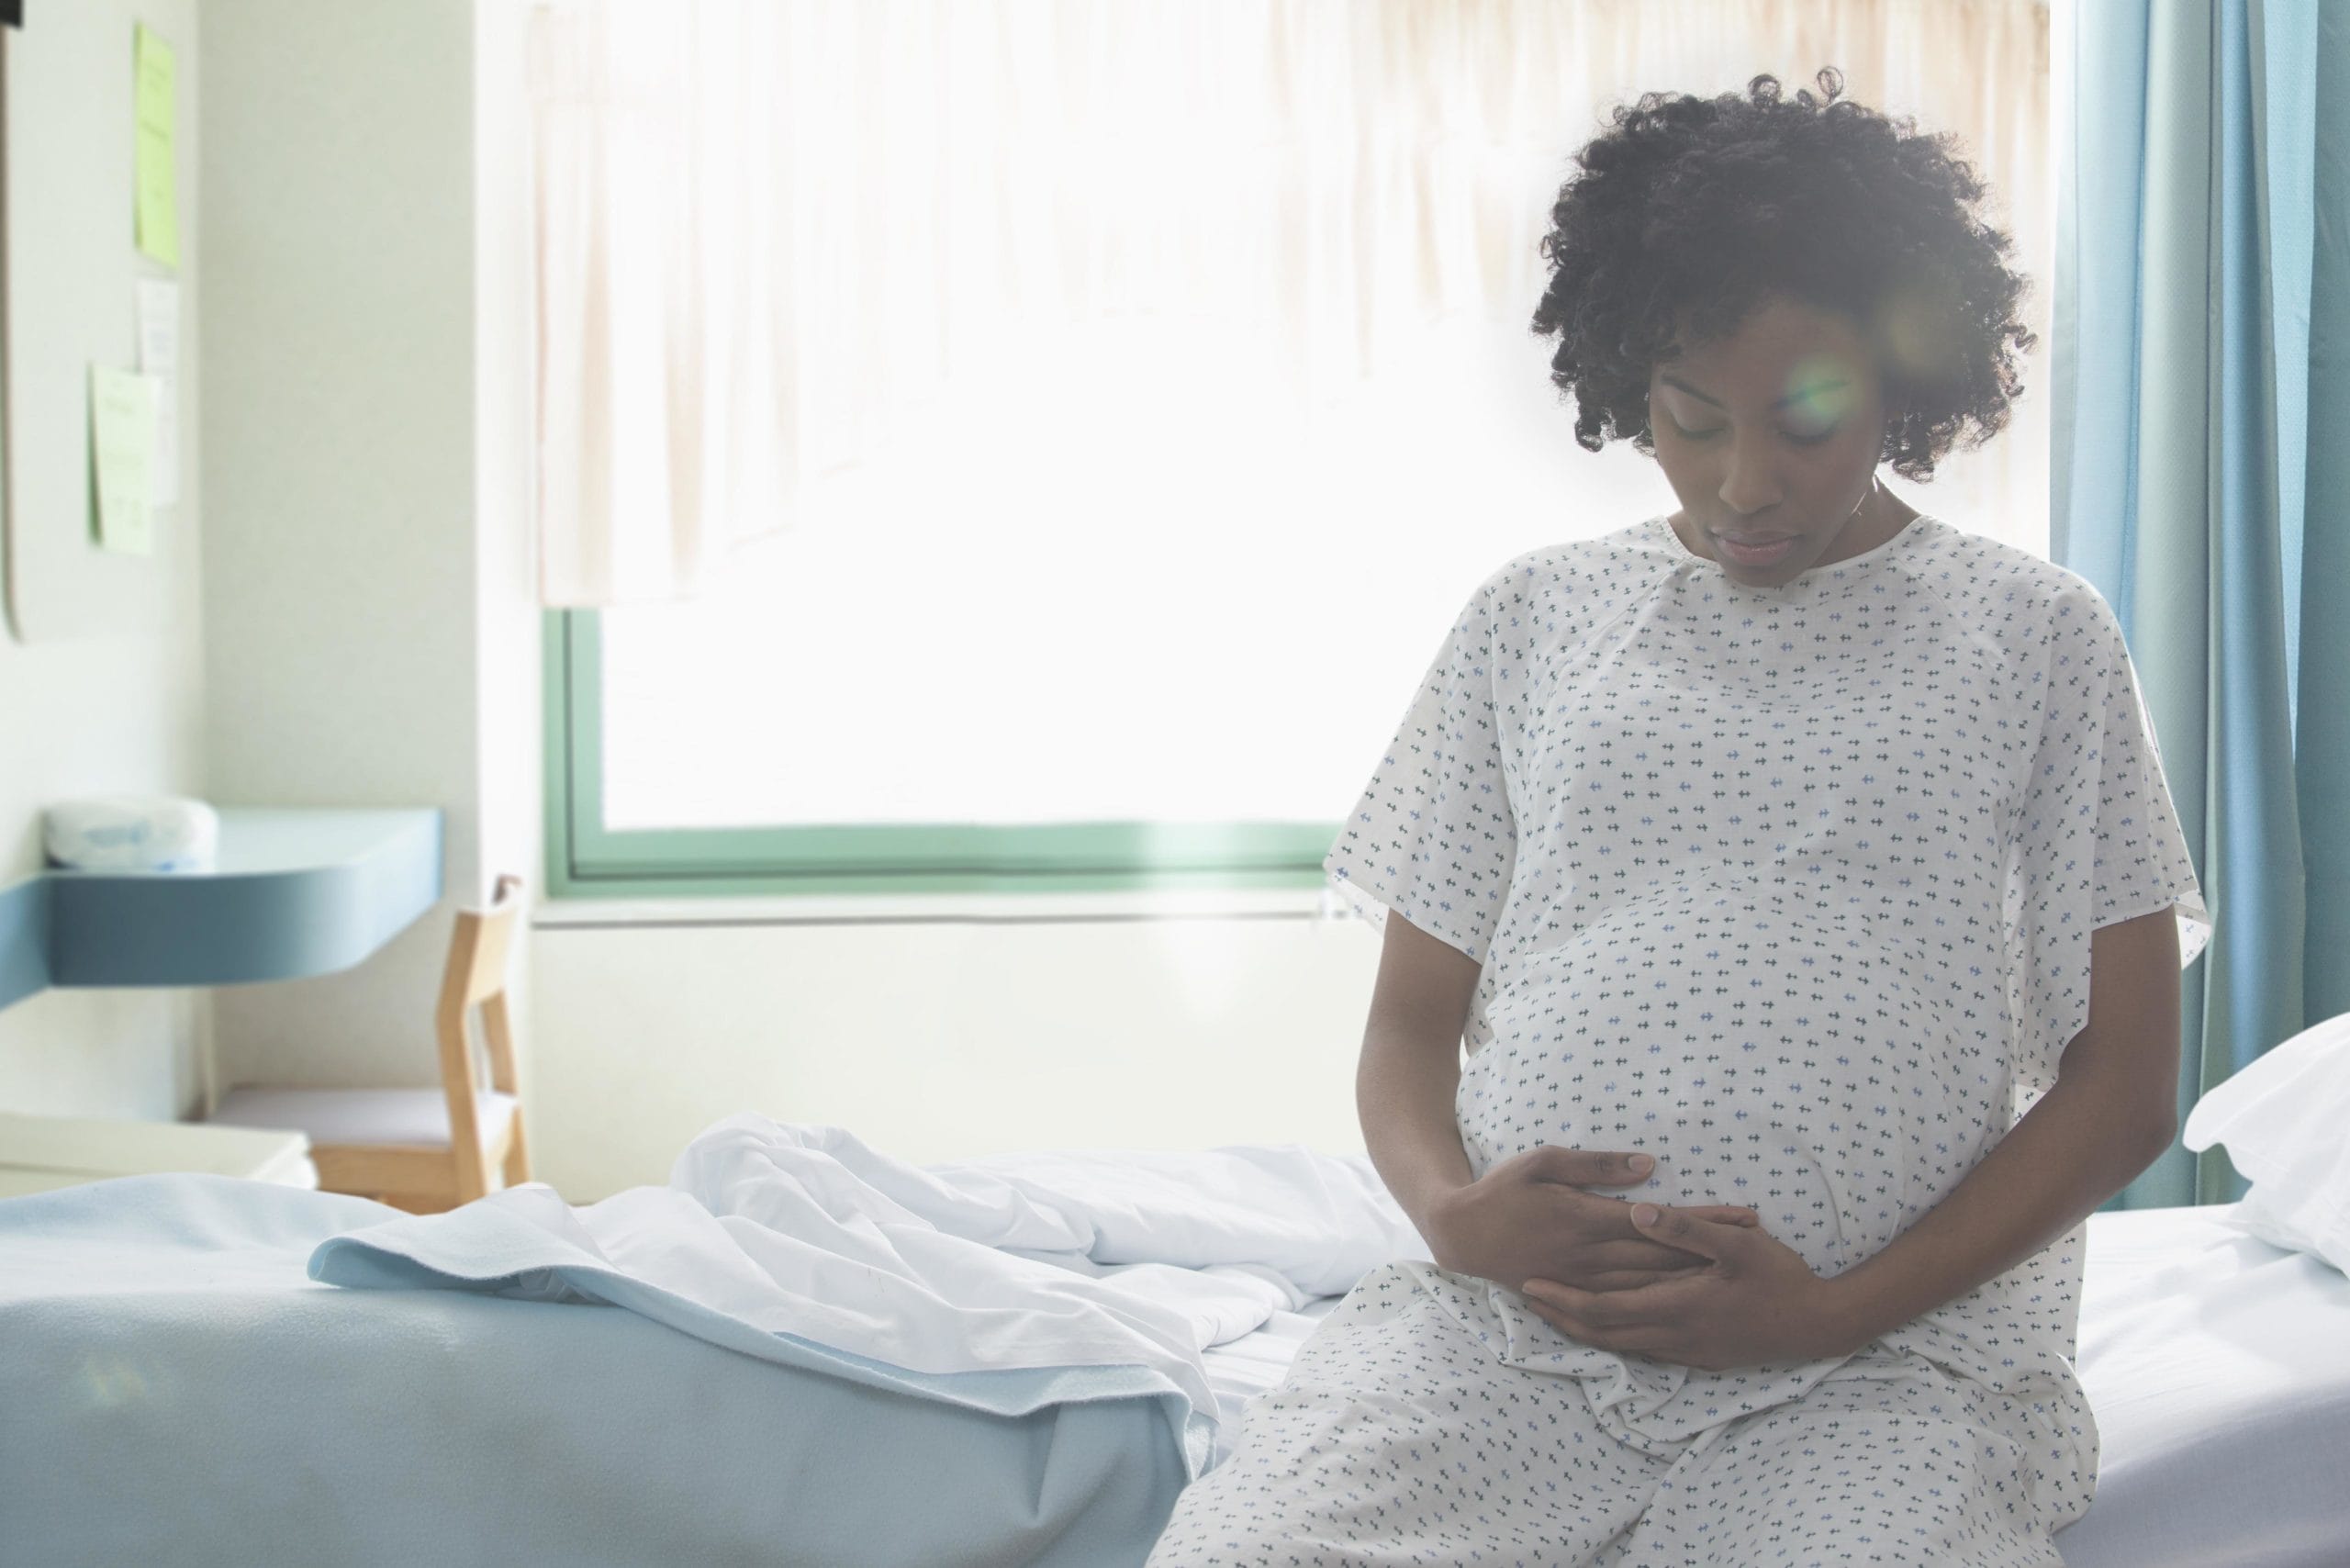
366,590
508,717
116,714
960,1027
361,582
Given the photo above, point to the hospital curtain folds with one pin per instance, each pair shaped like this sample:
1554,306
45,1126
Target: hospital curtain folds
2201,479
764,227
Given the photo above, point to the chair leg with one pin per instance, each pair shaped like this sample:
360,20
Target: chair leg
516,1167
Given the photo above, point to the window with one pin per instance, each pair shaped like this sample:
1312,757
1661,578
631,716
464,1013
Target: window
1158,436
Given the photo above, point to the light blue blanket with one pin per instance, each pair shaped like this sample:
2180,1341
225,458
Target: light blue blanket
176,1388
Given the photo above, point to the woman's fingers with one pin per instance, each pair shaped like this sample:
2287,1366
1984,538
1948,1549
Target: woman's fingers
1632,1279
1633,1249
1639,1253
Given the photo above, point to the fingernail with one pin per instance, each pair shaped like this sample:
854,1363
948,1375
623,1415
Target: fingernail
1643,1214
1642,1163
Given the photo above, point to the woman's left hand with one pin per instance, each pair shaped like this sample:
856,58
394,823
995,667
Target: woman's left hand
1757,1302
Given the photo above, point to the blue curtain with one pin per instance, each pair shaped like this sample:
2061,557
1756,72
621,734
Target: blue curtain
2200,479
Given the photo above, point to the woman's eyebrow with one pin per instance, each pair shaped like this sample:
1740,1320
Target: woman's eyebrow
1817,386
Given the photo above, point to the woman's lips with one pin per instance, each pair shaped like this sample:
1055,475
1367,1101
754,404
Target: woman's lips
1768,552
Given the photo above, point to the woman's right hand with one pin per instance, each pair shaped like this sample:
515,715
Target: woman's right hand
1528,1218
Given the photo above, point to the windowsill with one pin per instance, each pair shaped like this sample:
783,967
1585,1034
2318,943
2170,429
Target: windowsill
936,908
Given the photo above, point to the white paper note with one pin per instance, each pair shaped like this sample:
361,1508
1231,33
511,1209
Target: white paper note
159,359
122,448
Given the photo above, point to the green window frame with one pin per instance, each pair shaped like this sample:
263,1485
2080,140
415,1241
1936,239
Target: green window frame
585,860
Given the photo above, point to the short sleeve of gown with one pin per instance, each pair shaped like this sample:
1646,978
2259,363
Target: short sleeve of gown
1432,834
2097,839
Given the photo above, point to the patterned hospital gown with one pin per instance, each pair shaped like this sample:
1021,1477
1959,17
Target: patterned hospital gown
1791,887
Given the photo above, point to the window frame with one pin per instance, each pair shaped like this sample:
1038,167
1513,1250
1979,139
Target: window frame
586,860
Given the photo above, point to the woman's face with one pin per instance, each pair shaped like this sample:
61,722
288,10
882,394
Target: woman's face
1774,432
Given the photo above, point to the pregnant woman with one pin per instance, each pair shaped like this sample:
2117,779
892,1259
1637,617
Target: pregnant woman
1770,857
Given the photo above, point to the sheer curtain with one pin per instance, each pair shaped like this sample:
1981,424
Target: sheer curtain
769,230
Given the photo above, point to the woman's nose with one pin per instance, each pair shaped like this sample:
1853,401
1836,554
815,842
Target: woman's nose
1747,484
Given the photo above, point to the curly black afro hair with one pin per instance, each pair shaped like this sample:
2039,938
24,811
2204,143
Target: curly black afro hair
1712,205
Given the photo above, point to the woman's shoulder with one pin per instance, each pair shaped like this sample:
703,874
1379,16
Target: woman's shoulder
1550,596
2001,577
1623,556
2041,615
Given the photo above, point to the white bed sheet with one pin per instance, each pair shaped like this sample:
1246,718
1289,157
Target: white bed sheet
2219,1368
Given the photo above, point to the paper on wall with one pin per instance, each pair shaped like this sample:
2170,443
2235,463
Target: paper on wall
158,202
122,440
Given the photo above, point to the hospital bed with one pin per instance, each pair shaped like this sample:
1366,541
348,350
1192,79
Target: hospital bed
158,1405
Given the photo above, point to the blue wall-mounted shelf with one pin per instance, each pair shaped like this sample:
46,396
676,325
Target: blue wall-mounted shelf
292,893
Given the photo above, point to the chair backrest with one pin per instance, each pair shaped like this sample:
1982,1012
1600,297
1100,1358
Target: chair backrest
475,976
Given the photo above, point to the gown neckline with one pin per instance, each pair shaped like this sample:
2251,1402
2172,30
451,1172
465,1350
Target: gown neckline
1663,524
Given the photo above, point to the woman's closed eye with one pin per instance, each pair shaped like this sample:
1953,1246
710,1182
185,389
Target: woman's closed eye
1813,439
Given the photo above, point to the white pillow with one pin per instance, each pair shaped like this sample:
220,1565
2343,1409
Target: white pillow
2285,1120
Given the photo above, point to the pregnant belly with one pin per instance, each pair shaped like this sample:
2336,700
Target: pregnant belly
1789,1060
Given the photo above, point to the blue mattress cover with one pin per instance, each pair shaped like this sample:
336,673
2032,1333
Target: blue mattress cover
175,1387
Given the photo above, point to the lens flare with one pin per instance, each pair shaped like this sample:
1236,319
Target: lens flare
1830,388
1916,327
112,1381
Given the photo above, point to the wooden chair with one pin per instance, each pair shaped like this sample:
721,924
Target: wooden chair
421,1149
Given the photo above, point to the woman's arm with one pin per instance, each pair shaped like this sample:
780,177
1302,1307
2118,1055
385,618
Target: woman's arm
2111,1113
1410,1068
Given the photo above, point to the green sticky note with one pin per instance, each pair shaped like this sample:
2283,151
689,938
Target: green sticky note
122,445
158,201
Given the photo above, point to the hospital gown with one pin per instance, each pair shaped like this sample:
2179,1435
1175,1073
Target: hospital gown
1791,887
